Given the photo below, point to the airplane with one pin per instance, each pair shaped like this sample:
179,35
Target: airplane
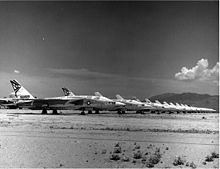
15,97
105,103
134,105
181,107
69,101
159,108
178,108
170,108
26,100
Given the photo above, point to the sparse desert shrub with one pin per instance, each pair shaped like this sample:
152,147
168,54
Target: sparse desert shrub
137,155
125,159
104,151
187,164
204,163
157,150
215,155
154,159
192,165
149,165
209,158
178,161
117,144
115,157
167,148
137,147
117,150
144,159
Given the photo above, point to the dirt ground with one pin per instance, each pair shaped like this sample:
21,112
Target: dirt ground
70,140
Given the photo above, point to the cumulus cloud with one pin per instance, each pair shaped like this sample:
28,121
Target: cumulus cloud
199,72
16,71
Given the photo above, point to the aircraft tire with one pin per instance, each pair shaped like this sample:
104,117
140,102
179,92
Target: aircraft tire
97,112
54,112
82,113
90,112
44,111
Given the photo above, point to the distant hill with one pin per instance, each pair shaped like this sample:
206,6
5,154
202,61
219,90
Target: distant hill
193,99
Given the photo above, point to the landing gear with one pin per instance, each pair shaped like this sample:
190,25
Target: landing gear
44,111
54,112
158,112
120,112
138,111
89,111
82,113
97,112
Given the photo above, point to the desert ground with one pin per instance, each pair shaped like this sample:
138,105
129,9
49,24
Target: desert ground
70,140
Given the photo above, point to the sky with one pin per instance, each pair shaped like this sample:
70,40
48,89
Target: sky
130,48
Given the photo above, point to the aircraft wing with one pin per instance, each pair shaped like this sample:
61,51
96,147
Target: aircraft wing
50,103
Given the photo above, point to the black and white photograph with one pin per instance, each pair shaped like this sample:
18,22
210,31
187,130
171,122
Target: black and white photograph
109,84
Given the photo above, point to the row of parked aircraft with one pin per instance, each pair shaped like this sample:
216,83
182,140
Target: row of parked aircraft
22,98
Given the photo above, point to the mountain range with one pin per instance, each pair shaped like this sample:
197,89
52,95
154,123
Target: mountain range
192,99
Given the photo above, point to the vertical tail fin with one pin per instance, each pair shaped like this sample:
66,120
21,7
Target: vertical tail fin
172,104
147,100
135,98
67,92
156,101
165,103
98,94
119,97
20,91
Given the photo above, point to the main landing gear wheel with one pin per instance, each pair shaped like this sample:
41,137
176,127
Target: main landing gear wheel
54,112
138,111
119,112
97,112
123,112
82,113
142,112
90,112
44,111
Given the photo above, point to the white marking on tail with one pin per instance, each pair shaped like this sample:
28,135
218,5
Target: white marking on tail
20,91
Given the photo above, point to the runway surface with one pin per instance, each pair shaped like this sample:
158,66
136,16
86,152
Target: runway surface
28,139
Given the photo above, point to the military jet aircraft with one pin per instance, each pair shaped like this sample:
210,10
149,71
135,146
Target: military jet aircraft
26,100
102,103
134,105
